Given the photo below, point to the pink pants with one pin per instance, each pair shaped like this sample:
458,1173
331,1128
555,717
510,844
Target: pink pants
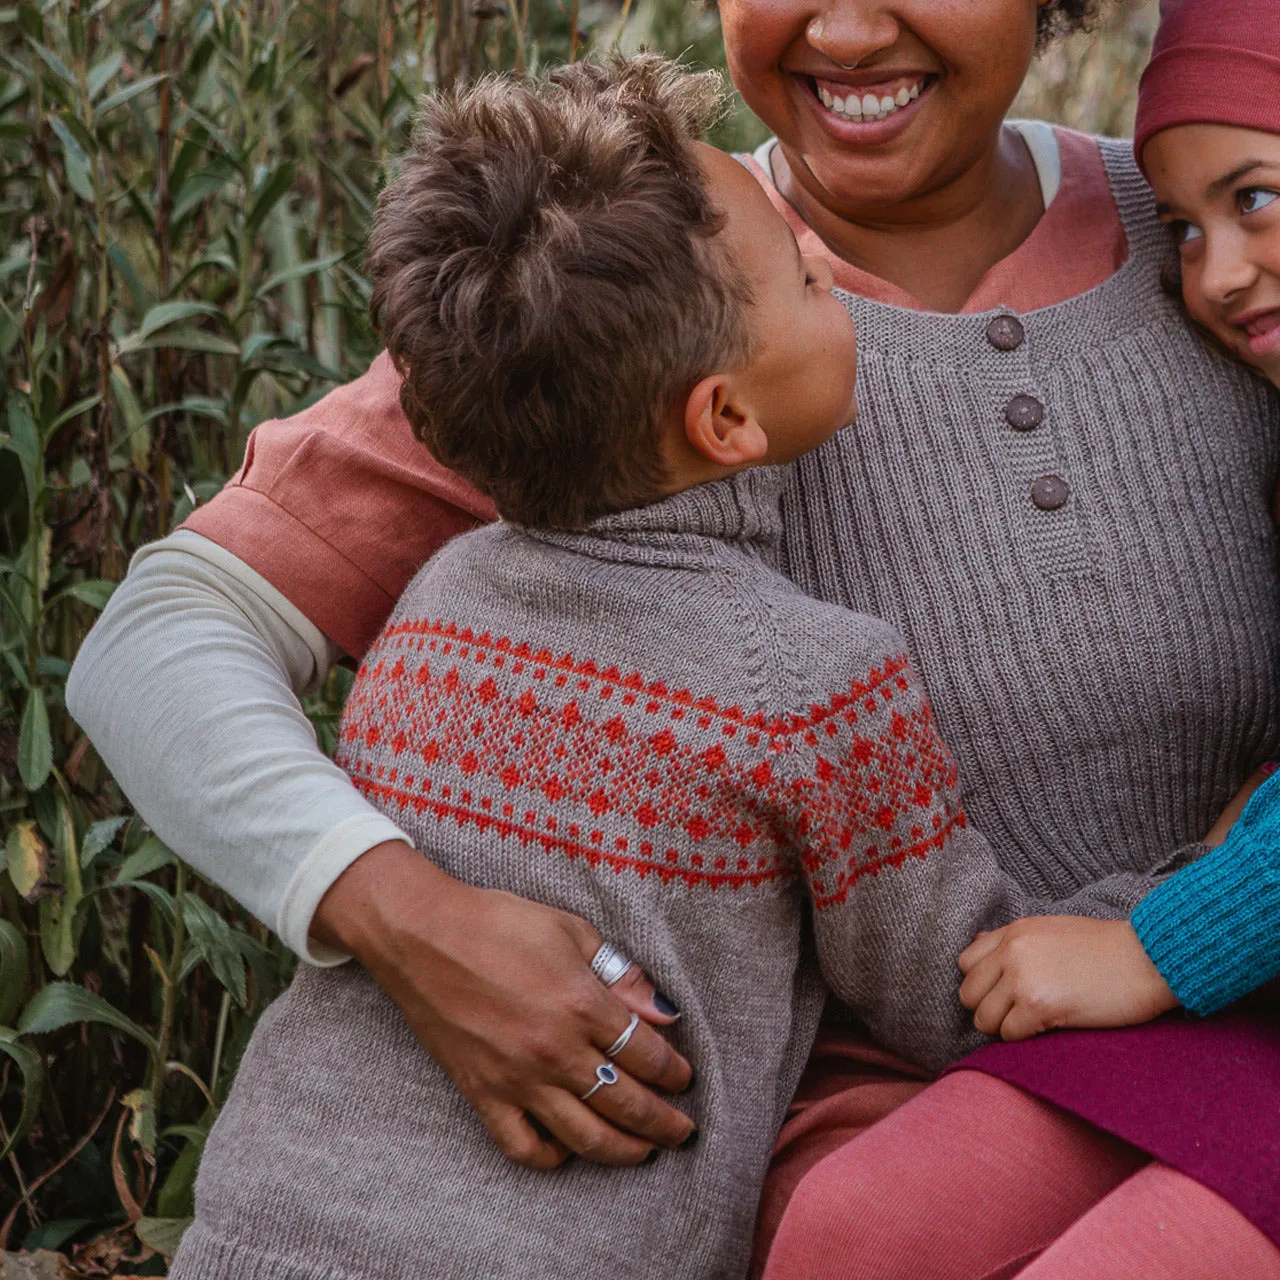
972,1179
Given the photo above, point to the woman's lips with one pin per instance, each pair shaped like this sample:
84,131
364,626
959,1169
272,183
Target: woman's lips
865,128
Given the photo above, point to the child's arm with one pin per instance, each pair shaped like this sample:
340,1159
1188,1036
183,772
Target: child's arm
900,883
1060,971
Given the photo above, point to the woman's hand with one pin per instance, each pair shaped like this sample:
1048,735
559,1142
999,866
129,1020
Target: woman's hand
499,991
1060,971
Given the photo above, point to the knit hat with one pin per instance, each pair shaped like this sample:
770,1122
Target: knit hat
1214,62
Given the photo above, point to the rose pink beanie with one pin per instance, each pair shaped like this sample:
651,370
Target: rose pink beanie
1214,62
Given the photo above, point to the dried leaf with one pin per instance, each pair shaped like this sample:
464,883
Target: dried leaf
27,859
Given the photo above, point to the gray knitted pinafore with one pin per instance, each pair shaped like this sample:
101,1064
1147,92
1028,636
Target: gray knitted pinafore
1104,671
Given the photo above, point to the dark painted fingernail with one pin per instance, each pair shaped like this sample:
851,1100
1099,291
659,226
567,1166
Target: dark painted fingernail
691,1140
651,1157
664,1006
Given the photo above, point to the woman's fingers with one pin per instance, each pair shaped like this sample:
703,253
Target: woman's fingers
648,1057
517,1138
587,1133
638,1111
636,991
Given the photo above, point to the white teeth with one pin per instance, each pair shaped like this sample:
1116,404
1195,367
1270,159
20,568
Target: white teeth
868,107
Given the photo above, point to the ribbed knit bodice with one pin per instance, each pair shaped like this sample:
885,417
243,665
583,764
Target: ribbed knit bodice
1105,672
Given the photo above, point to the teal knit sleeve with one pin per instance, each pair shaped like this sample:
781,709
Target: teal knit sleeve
1213,929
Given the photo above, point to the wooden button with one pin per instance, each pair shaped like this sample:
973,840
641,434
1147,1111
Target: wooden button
1024,413
1050,492
1006,333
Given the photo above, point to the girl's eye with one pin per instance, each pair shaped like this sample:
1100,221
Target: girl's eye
1251,199
1185,232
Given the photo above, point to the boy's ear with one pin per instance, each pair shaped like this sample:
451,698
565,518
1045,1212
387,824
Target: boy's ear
720,427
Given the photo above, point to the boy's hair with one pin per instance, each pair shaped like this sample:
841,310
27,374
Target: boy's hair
545,279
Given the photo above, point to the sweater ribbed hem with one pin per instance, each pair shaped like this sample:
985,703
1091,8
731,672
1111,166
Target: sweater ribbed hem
1211,930
205,1255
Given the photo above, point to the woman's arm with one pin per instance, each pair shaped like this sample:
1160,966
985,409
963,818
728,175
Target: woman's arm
188,687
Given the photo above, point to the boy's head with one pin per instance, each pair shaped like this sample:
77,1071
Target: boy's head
556,274
1208,138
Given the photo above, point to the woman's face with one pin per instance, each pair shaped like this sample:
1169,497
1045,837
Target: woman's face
879,102
1218,191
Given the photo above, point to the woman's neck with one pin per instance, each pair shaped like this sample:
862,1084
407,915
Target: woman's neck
940,246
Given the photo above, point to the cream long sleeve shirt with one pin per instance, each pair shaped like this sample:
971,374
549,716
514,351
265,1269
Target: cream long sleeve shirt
198,662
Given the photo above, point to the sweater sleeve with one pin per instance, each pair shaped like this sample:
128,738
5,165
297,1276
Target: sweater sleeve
899,881
1213,930
188,687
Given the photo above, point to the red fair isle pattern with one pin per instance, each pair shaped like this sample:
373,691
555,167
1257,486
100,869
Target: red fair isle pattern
626,773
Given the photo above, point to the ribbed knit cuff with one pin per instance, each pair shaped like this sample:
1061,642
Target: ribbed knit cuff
1213,930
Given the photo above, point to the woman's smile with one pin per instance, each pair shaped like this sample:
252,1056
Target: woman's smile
852,106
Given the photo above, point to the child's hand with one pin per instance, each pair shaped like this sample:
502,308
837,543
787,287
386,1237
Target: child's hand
1060,971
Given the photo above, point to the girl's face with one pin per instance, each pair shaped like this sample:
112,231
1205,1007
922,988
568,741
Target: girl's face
1218,189
878,102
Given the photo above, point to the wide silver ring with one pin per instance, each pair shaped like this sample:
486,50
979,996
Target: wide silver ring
609,964
621,1042
606,1073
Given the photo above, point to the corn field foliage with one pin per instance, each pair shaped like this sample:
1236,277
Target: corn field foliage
185,192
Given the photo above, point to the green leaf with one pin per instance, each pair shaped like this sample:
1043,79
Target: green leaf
183,339
61,1003
31,1065
60,915
80,406
77,163
299,272
200,186
35,747
161,1234
168,313
149,856
268,194
127,94
94,592
138,432
13,970
27,860
215,940
102,72
56,65
99,837
24,440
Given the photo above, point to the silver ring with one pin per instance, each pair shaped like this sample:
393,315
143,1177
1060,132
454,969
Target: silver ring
621,1042
606,1073
609,964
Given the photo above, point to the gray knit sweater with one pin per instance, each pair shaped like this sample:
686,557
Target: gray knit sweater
647,726
1103,668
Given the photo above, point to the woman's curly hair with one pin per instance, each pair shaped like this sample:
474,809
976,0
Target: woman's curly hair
1065,17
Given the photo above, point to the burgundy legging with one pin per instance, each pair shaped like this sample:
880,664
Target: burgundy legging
972,1179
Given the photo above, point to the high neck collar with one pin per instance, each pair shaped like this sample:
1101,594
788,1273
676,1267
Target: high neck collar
744,510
